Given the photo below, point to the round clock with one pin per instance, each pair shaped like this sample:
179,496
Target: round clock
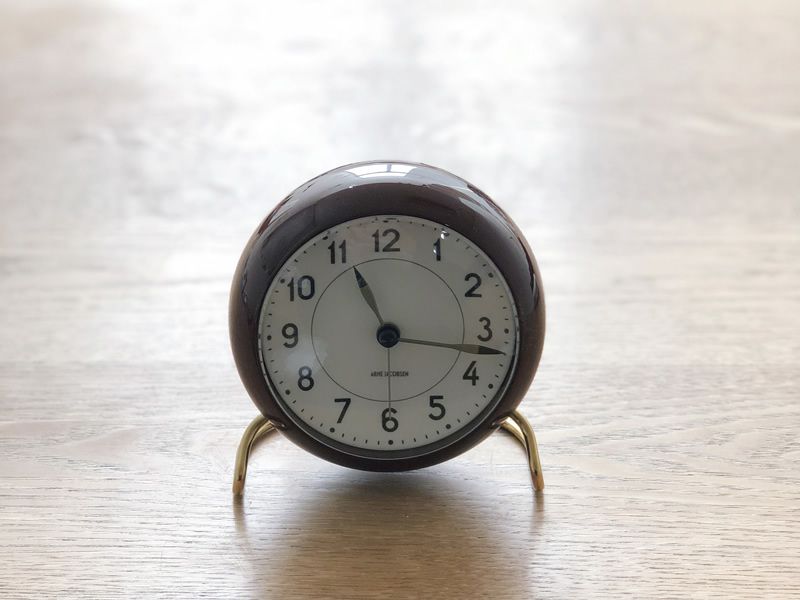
387,316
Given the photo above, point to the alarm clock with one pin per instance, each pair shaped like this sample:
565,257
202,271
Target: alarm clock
387,316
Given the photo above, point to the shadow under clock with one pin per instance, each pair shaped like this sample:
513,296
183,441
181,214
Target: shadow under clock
405,534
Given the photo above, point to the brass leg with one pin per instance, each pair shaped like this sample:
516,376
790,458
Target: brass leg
518,426
258,428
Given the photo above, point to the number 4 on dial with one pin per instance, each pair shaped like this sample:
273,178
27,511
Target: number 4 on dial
471,374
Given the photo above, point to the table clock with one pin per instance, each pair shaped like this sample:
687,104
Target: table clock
387,316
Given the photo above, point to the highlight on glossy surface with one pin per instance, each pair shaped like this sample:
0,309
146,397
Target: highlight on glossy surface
518,426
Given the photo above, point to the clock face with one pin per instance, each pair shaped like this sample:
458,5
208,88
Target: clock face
388,336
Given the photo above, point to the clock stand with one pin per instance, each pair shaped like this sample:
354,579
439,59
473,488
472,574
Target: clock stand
516,424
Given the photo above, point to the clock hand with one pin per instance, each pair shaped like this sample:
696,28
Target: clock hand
468,348
366,292
389,376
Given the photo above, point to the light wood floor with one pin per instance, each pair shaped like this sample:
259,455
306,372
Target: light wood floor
649,151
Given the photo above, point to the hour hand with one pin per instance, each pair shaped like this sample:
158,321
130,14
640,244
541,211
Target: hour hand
468,348
367,294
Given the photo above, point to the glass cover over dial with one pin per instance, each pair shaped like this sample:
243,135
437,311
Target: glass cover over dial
388,334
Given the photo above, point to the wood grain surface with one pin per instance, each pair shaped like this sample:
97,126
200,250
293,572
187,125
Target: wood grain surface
649,151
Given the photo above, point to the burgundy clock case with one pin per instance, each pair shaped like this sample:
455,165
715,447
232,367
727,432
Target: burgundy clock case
386,188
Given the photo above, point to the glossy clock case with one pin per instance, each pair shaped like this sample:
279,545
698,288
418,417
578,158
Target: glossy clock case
386,188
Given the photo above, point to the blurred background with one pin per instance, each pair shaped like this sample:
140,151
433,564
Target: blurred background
141,144
650,152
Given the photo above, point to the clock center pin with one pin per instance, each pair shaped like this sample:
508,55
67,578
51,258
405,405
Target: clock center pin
388,335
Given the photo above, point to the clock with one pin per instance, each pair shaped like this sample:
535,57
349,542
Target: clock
387,316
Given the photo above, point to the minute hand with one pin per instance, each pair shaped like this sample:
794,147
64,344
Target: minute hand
468,348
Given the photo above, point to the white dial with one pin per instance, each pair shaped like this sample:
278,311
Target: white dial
387,333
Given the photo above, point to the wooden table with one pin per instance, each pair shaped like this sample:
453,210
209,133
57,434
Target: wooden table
649,151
